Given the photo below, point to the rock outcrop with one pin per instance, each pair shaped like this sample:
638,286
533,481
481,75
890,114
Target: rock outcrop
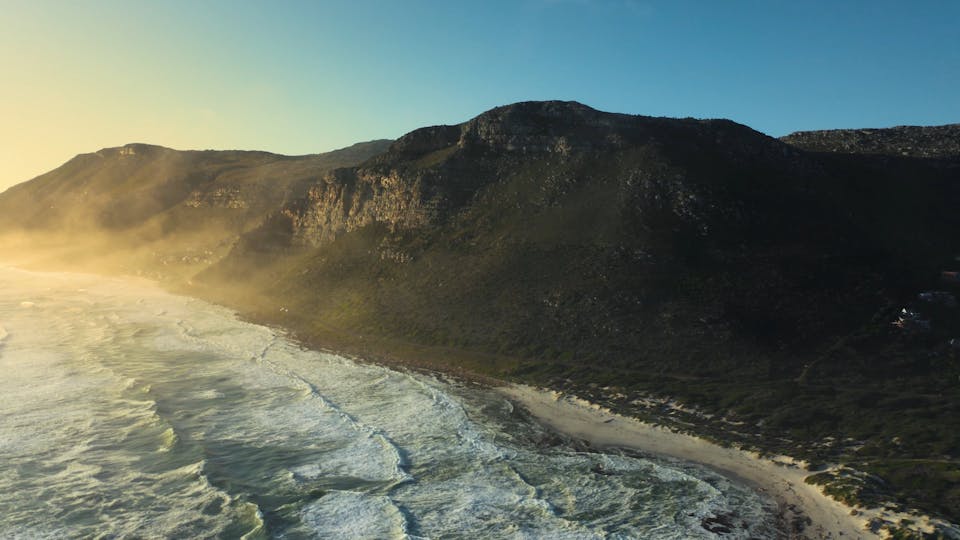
346,200
902,141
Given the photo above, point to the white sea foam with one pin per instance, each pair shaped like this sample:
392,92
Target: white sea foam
366,458
168,439
350,515
211,393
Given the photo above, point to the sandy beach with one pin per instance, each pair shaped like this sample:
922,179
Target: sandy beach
821,517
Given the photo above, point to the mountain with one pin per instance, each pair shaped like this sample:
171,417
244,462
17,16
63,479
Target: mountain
587,240
180,206
795,295
125,187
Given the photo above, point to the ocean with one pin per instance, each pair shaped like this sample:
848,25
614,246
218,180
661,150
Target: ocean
129,412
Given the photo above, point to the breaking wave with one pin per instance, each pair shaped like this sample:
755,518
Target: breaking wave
132,412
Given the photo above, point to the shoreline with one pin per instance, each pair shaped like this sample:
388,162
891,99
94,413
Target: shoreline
804,511
781,478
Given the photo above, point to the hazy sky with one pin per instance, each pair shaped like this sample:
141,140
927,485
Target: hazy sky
304,77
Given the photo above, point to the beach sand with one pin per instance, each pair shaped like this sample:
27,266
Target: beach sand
801,505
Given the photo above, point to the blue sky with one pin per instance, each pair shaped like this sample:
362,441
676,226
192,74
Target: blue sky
303,77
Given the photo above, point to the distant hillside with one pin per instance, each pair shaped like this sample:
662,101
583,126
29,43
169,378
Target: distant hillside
906,141
186,207
793,290
119,188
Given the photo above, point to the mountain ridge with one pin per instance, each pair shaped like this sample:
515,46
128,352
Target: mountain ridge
938,142
167,177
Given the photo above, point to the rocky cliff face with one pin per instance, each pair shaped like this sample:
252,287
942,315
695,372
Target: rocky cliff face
432,173
902,141
347,200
